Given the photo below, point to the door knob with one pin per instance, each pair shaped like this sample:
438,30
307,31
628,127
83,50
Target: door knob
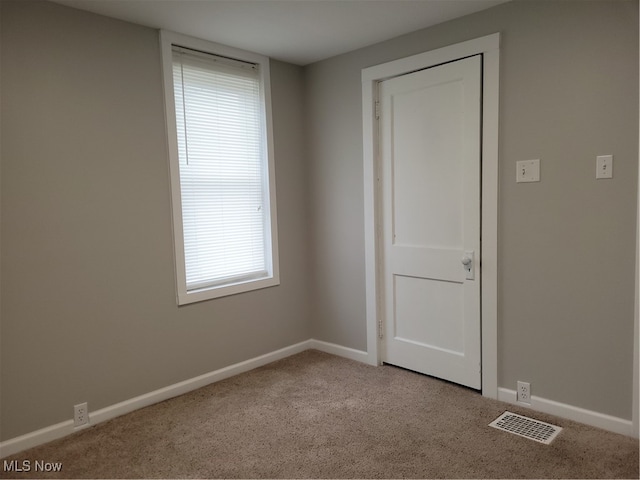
467,264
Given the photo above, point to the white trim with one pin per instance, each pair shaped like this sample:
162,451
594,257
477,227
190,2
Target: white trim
38,437
65,428
339,350
167,40
577,414
371,207
489,47
62,429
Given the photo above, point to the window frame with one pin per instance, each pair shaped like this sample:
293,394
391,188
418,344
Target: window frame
184,296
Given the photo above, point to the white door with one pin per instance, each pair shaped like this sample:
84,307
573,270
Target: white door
430,183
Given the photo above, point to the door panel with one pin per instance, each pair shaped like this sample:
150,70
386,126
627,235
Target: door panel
430,182
426,186
438,304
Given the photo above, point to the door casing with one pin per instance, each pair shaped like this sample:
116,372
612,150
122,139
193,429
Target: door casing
489,48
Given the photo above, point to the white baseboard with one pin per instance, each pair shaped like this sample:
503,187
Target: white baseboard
65,428
339,350
33,439
62,429
588,417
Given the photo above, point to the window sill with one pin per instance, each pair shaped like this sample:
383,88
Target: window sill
185,297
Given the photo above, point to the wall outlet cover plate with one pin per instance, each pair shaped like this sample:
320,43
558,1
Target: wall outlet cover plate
604,166
528,171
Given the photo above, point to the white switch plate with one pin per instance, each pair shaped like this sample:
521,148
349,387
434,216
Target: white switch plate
604,166
528,171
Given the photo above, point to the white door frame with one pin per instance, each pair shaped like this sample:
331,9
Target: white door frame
489,47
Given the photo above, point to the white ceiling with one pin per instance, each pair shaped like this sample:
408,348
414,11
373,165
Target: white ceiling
295,31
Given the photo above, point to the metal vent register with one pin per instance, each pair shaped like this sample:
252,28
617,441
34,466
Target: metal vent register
526,427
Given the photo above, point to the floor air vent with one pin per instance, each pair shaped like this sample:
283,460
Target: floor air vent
526,427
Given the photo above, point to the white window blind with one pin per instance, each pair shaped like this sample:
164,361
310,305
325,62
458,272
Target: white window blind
223,169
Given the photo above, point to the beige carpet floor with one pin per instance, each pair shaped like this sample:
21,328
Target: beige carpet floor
314,415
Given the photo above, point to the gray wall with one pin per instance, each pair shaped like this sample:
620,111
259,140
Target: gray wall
87,282
568,92
89,310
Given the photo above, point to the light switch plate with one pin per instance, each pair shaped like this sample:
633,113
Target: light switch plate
528,171
604,166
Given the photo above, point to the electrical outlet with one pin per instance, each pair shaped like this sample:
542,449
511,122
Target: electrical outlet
524,393
80,415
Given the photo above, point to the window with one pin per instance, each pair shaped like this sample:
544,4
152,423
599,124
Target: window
221,166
